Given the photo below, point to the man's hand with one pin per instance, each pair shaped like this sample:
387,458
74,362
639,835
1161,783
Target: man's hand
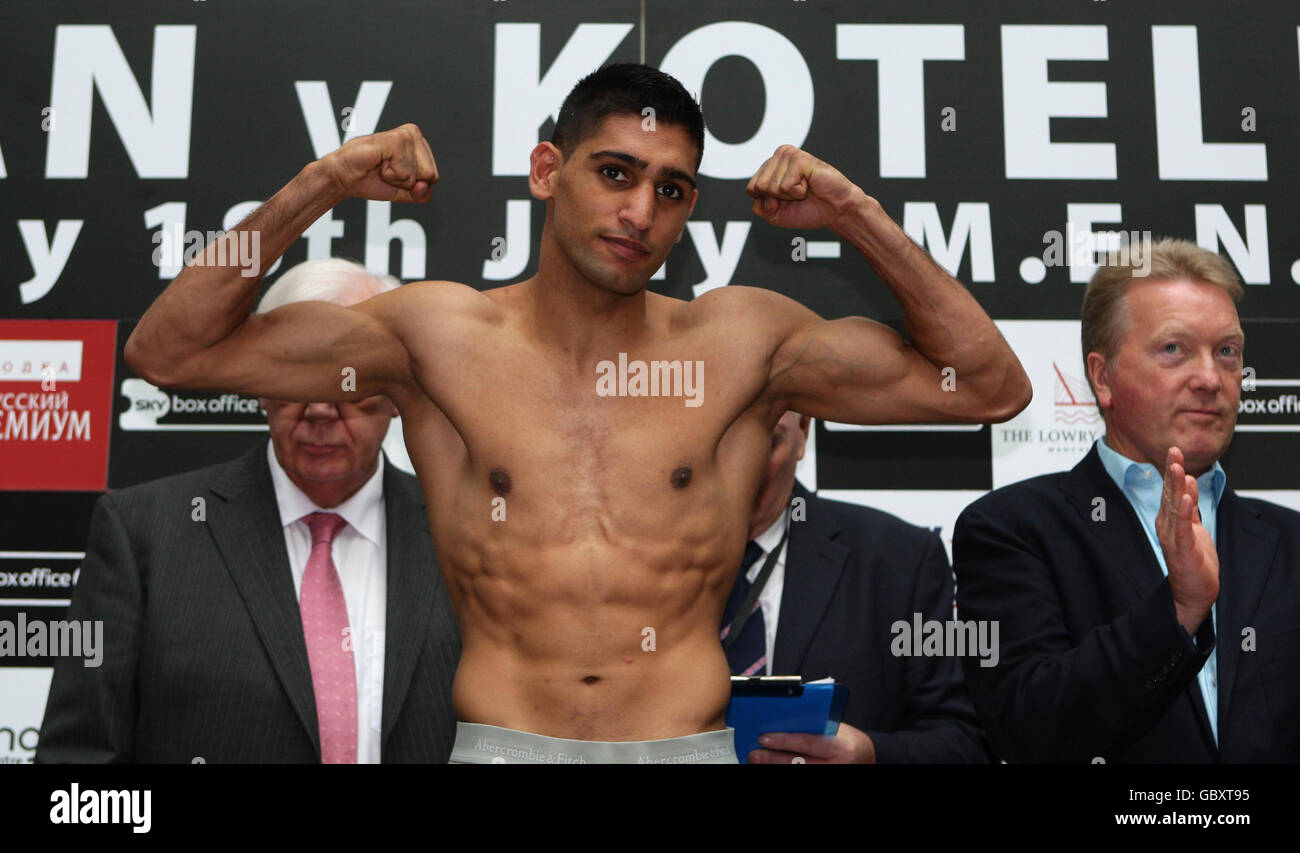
1189,550
395,165
848,746
794,189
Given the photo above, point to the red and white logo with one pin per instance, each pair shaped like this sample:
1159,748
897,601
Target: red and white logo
1072,399
56,394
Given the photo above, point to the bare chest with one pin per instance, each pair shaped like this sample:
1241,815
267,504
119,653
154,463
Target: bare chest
636,439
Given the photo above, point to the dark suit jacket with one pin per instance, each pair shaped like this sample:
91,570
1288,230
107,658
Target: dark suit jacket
851,572
204,655
1094,662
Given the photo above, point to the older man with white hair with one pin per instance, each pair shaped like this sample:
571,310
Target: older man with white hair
260,631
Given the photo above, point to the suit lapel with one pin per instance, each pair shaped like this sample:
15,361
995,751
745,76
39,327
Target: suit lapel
412,600
245,523
1246,545
813,564
1121,536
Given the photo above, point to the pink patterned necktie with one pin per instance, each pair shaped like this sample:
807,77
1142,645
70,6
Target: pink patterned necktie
329,644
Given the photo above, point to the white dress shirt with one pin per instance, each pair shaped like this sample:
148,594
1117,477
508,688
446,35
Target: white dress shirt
770,598
360,552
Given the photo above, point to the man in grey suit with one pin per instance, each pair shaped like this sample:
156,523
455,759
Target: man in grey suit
285,606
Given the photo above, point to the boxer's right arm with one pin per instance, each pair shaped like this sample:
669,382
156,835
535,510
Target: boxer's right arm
199,333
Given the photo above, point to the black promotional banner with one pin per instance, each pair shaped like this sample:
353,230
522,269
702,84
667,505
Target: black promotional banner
1018,142
1005,136
1014,141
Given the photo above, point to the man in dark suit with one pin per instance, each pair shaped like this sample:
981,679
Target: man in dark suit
828,608
1148,613
210,655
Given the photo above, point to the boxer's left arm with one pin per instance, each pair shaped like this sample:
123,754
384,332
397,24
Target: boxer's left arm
954,364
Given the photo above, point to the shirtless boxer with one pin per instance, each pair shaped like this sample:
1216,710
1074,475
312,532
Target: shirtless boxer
589,540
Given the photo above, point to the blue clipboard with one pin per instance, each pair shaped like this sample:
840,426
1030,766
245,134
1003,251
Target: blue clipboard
783,703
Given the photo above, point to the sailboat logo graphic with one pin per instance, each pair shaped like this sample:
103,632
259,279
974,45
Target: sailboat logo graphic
1072,400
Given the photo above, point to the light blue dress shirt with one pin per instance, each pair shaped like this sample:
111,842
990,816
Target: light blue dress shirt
1142,484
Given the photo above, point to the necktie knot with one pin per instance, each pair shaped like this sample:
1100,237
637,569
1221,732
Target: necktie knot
324,527
752,552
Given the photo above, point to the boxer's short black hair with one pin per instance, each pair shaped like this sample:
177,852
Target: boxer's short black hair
626,88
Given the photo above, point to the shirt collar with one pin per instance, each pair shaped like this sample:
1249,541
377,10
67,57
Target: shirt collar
1138,475
364,511
769,538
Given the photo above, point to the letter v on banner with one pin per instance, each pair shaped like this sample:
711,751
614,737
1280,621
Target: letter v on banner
323,123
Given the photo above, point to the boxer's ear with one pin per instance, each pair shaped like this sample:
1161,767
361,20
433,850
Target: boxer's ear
544,170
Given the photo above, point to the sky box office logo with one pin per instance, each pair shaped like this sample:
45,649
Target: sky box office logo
158,409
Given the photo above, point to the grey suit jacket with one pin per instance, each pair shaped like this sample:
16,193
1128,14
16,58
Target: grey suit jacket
204,656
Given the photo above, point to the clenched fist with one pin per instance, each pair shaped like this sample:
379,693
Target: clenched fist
393,165
794,189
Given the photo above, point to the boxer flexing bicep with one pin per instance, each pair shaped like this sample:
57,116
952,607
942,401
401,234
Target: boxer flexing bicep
590,451
199,333
955,366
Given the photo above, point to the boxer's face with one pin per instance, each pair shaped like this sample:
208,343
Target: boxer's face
1177,377
329,450
621,199
788,442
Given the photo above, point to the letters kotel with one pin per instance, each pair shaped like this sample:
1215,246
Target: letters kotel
155,129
